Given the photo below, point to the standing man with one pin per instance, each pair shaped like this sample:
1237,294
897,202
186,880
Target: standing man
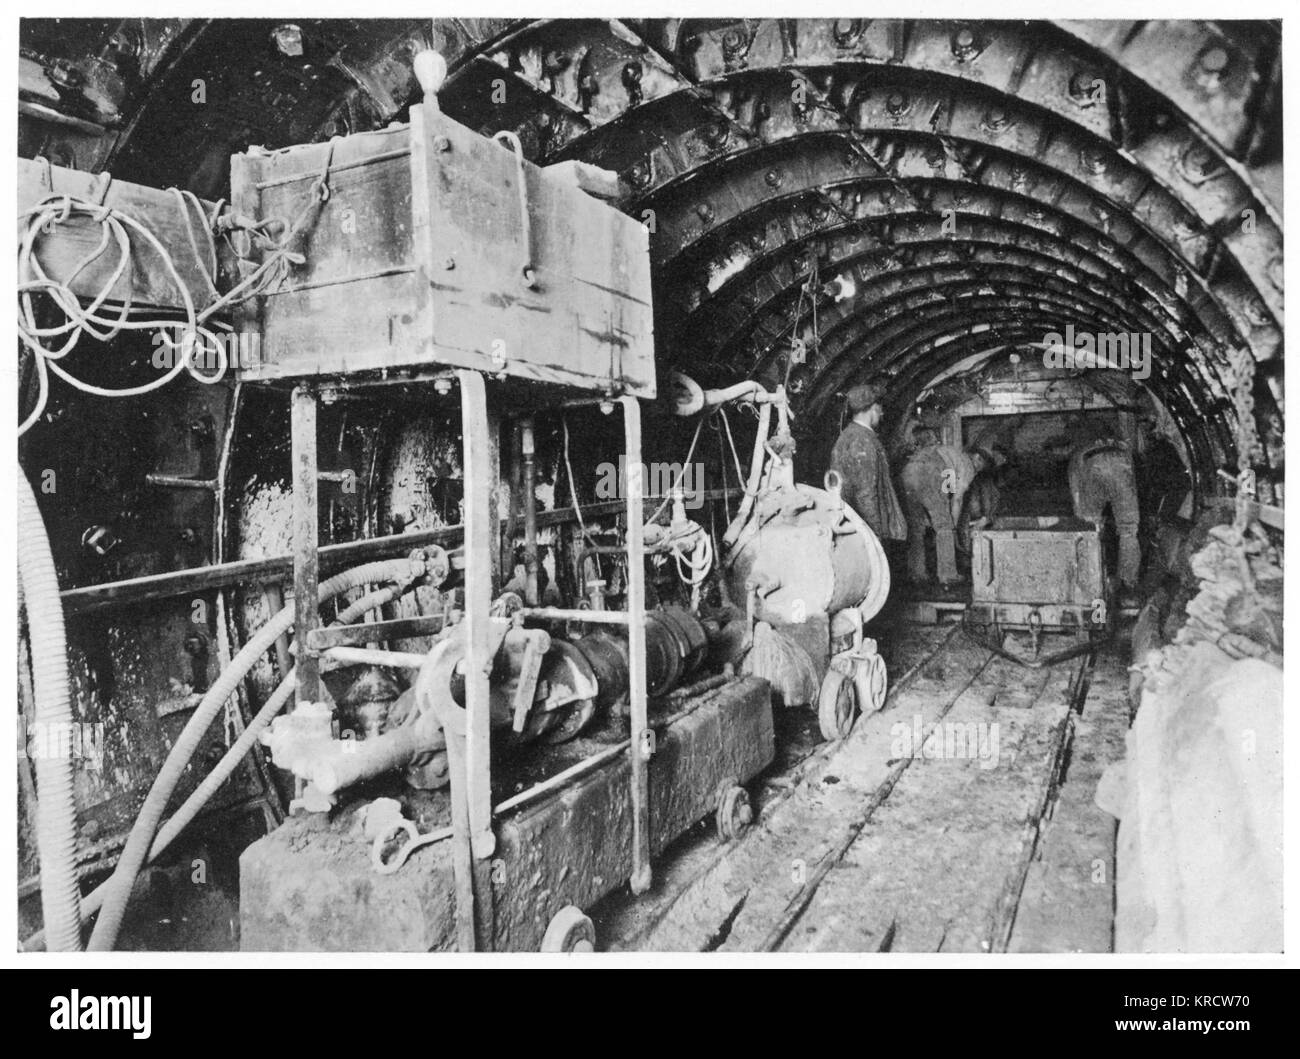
859,457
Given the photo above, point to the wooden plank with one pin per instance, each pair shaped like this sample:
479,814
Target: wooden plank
1269,514
149,283
589,313
374,632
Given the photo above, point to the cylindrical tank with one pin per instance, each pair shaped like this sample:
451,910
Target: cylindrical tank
805,551
676,643
607,655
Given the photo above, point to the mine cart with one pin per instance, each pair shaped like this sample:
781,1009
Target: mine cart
1041,575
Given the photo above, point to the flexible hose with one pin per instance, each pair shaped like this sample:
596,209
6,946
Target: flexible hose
202,794
56,808
747,388
755,476
119,885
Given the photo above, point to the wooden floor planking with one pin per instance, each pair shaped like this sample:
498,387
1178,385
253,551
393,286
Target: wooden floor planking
859,849
940,864
621,920
736,900
1068,902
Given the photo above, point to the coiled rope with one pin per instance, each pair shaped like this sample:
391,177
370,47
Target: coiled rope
51,344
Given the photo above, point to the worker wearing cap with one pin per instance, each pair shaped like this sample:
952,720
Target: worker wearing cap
859,458
935,479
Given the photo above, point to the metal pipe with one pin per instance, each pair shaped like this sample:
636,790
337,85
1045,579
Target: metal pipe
478,601
512,516
749,389
349,761
365,656
273,595
305,527
332,556
531,562
642,738
590,617
755,475
174,481
43,113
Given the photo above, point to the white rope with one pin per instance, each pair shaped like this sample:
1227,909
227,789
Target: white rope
117,229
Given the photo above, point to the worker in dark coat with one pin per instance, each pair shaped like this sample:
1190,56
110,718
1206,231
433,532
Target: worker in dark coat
859,457
1163,481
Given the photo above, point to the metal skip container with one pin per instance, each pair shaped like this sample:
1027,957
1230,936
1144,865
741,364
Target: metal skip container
1038,573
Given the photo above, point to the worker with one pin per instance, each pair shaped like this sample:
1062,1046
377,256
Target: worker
983,498
1162,475
935,480
859,458
1101,475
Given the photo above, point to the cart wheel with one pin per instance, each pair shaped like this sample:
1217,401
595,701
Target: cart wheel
734,812
835,705
870,683
569,931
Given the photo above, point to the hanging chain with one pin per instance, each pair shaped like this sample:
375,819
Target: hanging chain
1250,451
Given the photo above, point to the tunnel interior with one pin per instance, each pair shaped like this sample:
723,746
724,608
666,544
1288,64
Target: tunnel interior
921,205
830,201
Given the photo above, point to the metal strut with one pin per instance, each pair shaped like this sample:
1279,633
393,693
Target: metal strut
642,738
480,646
305,528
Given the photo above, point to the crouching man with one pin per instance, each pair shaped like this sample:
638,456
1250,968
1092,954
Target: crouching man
935,479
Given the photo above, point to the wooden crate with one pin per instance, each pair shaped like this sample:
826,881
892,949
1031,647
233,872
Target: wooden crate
415,261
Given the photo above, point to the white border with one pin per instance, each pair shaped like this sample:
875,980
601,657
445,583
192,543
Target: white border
1004,10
